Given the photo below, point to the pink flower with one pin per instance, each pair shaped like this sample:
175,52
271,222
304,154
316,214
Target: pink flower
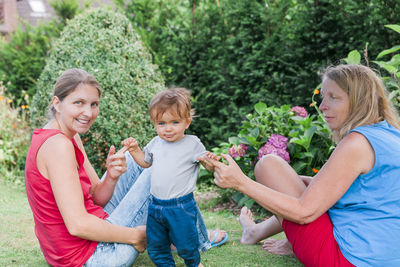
276,145
300,111
237,151
278,141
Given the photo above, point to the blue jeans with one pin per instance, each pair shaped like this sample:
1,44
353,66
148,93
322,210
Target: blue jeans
173,221
128,207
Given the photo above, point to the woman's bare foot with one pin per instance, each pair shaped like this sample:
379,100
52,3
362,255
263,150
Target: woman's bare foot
249,230
140,238
278,247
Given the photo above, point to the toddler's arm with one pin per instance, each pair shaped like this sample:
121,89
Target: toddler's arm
135,151
206,163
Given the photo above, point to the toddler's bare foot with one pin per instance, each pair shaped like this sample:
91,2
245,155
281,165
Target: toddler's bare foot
248,225
140,238
278,247
220,235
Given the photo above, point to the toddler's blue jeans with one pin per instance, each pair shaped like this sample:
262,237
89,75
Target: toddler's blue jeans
173,221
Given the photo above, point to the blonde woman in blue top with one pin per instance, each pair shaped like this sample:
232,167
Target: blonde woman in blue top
349,213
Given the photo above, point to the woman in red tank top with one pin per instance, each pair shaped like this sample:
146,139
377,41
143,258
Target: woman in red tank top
64,191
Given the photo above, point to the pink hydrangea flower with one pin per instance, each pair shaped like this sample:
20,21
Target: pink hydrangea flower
278,141
300,111
277,144
237,151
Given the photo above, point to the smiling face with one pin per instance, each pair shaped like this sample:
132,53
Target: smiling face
170,127
78,110
335,104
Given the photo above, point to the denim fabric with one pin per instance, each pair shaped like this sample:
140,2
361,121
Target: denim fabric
173,221
128,207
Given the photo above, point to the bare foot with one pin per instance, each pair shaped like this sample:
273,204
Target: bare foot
248,225
278,247
140,238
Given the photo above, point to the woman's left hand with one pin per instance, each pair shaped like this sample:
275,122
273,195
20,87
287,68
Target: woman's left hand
116,162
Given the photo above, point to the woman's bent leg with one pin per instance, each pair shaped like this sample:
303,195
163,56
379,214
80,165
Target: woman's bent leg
127,207
275,173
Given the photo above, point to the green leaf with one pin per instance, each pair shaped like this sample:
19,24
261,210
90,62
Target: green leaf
393,27
388,51
234,140
243,200
354,57
249,203
260,107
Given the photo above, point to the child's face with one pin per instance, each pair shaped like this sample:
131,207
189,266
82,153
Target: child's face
170,127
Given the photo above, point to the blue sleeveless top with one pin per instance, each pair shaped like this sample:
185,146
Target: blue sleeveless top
366,220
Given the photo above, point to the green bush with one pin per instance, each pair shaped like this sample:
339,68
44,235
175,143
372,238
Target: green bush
301,139
103,43
233,54
390,67
14,140
24,57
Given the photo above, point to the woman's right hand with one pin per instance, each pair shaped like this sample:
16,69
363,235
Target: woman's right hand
116,163
227,175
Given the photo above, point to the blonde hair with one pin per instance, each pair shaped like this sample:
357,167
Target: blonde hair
177,99
68,81
369,102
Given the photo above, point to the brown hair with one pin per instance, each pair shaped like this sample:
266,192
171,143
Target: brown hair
369,102
68,81
177,99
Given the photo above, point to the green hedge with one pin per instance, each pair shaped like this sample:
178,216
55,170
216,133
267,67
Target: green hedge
103,43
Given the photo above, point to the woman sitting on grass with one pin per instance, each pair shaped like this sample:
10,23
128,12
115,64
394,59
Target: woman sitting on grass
349,213
81,220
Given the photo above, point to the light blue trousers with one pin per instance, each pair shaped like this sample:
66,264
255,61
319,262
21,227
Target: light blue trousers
128,207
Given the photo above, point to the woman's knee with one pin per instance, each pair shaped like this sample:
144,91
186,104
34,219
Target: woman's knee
267,166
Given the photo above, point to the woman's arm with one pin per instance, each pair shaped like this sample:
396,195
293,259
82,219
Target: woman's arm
352,157
64,180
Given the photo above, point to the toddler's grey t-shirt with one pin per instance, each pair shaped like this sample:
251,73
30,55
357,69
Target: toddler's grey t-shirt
174,165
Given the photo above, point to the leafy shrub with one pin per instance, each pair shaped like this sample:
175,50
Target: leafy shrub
390,68
103,43
24,57
14,140
233,54
299,138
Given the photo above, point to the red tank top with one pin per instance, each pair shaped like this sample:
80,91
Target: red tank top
58,246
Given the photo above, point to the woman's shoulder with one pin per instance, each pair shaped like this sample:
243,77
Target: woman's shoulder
57,144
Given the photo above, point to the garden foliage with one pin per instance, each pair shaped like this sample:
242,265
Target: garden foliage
301,139
104,43
233,54
390,67
23,58
14,140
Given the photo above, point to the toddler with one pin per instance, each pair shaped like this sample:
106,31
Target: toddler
174,159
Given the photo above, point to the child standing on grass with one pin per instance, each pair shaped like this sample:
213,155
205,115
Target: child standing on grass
174,157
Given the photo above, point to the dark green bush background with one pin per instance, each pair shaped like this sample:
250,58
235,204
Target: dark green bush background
241,52
103,43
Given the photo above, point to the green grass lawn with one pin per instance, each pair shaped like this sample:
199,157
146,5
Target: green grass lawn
19,246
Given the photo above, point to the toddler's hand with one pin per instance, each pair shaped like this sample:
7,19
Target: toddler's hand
205,160
213,156
131,144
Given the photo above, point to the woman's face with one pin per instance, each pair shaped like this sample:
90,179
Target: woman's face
335,104
77,112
